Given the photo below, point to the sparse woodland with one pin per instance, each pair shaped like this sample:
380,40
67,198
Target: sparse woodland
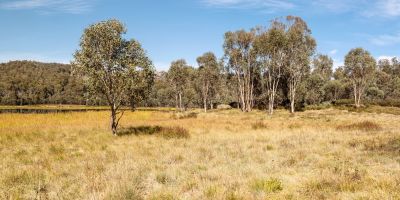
223,130
267,67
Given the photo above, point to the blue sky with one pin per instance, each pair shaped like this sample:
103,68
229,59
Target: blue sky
49,30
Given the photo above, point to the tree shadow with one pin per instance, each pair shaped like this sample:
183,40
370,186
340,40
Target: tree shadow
174,132
140,130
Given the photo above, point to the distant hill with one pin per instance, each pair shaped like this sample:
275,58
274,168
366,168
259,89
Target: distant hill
29,82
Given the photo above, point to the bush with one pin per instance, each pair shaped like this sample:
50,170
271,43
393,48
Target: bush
267,186
362,126
343,102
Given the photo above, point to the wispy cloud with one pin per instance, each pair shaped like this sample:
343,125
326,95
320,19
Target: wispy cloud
271,5
333,52
386,40
337,6
384,8
49,6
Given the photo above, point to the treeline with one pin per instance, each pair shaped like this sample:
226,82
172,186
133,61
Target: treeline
265,68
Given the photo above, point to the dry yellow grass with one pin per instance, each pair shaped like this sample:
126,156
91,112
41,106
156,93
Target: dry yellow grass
229,155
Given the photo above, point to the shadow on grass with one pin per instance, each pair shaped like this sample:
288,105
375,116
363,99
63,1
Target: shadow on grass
361,126
139,130
165,132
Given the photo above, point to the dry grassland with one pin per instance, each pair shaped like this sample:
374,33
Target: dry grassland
225,154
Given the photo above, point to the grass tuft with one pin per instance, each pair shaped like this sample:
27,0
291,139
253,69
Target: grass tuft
259,125
267,185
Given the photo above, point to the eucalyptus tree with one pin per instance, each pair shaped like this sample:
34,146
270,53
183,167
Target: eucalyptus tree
270,48
111,64
359,68
323,66
208,75
179,78
239,50
300,47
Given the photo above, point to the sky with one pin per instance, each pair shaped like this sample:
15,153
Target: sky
50,30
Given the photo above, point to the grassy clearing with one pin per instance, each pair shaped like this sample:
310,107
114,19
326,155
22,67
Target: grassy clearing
217,155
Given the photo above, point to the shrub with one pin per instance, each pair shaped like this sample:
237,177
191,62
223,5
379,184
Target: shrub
267,186
322,106
361,126
259,125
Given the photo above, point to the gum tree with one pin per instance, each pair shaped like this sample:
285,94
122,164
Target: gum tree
239,50
208,75
299,49
111,64
359,68
179,78
270,48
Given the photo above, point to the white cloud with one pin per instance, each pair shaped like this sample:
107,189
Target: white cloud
49,6
389,8
383,8
274,5
333,52
385,40
337,6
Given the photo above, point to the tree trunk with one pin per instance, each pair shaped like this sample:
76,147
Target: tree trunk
292,106
271,105
356,102
180,102
205,104
292,95
176,102
114,120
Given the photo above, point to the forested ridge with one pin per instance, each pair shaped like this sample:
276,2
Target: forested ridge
29,82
